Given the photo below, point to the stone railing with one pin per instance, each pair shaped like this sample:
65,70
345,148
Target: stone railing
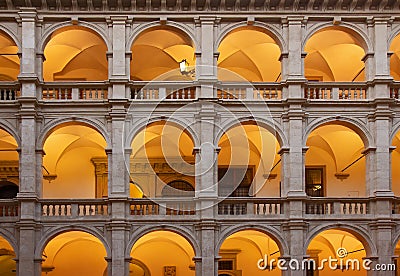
251,206
353,91
9,91
9,208
162,91
62,208
337,206
395,90
396,206
74,91
255,91
162,207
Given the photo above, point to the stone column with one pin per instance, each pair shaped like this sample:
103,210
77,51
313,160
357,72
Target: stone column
206,67
383,235
117,168
30,176
206,187
293,158
293,60
209,260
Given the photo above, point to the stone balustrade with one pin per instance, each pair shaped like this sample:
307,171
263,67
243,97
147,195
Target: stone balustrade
337,206
50,209
75,91
336,91
62,208
9,91
85,91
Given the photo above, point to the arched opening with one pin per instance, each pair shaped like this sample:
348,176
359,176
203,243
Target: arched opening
9,166
178,188
335,162
334,54
75,53
9,60
162,153
74,253
395,58
8,190
248,162
347,250
396,164
8,265
75,163
241,254
157,51
255,59
396,260
153,251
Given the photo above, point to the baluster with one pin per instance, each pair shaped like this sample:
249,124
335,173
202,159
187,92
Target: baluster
45,210
356,207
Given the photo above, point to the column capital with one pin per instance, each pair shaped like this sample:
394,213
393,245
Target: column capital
28,14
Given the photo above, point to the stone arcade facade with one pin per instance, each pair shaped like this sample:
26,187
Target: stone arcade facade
30,110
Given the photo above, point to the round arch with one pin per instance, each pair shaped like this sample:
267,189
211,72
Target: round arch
393,34
270,30
142,124
142,266
355,125
11,239
360,233
57,123
11,130
181,231
395,240
352,28
54,232
11,34
266,124
156,24
395,129
273,233
92,27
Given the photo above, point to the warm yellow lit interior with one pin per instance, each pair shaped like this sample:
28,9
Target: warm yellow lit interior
395,58
158,51
168,150
9,64
255,59
333,147
334,54
152,254
246,248
75,54
395,164
74,253
69,150
251,145
8,146
7,256
326,244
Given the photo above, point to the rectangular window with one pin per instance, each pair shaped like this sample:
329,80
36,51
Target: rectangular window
315,181
234,182
225,265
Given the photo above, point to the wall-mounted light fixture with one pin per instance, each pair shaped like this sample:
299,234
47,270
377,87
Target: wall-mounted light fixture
184,68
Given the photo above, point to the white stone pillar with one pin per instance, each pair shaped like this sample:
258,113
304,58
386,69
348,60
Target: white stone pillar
383,234
29,181
206,63
118,170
